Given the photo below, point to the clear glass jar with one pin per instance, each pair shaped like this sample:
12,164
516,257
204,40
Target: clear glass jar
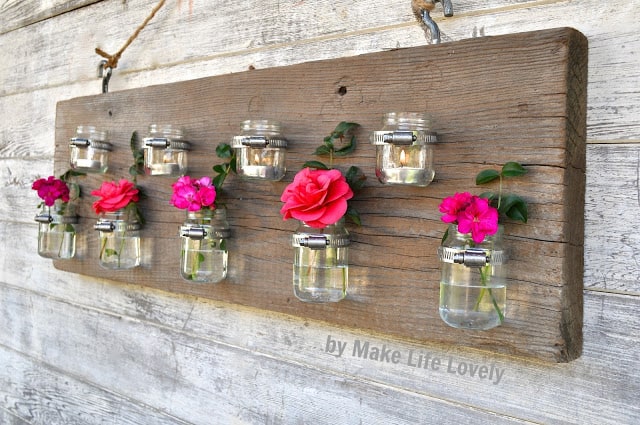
473,284
204,253
165,151
57,231
320,264
119,239
260,150
404,152
89,150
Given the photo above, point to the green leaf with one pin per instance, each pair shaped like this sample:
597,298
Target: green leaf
232,164
486,176
323,150
353,215
110,252
513,169
219,180
514,207
223,150
355,178
219,168
444,236
315,164
348,148
344,127
223,245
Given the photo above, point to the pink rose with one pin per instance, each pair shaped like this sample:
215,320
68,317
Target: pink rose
114,196
479,218
193,195
51,189
317,197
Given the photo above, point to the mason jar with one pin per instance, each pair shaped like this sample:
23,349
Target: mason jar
321,263
204,252
89,150
260,150
473,283
57,231
165,151
119,240
404,149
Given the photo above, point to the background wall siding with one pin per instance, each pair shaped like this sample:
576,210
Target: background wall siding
81,350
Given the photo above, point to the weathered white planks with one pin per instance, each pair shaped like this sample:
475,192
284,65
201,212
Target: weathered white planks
599,388
19,13
130,324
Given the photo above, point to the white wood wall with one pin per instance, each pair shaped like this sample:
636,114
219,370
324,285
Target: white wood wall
77,350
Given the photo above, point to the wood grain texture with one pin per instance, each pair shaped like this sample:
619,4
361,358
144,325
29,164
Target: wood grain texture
600,387
15,14
532,82
196,347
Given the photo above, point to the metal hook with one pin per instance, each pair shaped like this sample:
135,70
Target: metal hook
105,74
430,23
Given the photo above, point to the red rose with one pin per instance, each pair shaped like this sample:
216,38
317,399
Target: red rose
317,197
114,196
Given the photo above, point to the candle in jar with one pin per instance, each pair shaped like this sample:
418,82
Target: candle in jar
87,164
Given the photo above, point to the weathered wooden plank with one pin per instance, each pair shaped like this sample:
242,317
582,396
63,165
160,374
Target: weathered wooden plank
155,365
142,324
31,392
489,99
19,13
612,199
613,111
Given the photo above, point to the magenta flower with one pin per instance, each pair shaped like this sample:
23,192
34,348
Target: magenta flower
193,195
453,205
51,189
478,218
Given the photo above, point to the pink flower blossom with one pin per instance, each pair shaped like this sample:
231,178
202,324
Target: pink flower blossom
472,214
192,195
452,206
479,218
114,196
317,197
51,189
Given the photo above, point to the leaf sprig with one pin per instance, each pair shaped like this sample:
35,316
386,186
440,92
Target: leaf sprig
510,205
341,142
224,151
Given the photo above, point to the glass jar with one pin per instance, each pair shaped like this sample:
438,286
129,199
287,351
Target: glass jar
204,253
89,150
320,264
119,239
260,150
404,152
473,285
165,151
57,231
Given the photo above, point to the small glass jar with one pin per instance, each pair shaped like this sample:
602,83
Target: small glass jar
260,150
473,284
57,231
89,150
204,253
119,239
165,151
404,152
320,264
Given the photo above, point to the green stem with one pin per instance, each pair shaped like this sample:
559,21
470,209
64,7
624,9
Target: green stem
485,288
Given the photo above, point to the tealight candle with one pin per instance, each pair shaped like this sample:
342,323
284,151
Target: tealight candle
89,150
165,151
403,149
260,150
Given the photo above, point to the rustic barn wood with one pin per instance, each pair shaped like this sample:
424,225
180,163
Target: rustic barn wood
519,97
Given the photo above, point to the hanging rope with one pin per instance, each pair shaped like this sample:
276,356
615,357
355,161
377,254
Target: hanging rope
112,60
